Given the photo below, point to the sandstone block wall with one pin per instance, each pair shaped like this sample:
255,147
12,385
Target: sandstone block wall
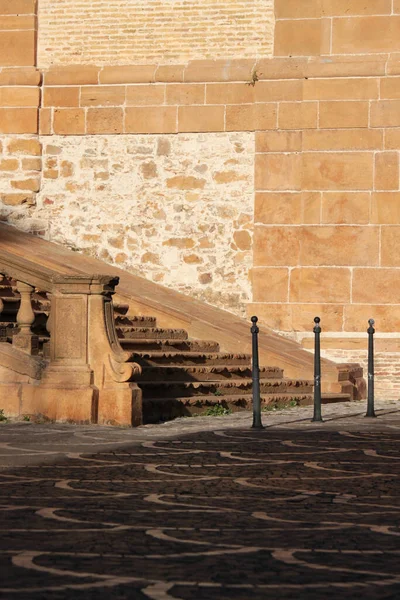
292,159
20,149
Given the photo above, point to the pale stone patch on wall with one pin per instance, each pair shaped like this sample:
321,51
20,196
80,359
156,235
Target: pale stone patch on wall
147,31
175,209
20,176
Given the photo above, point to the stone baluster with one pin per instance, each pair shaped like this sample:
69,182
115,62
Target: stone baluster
1,301
25,340
3,330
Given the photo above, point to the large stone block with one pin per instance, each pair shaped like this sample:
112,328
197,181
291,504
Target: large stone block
299,37
390,247
145,95
340,245
343,139
385,113
386,171
276,246
357,35
298,115
387,318
10,398
392,139
143,119
343,88
61,96
17,48
102,95
390,88
278,172
69,121
104,120
270,285
337,171
372,286
187,94
320,284
18,120
120,407
298,317
17,7
226,93
72,75
278,141
250,117
345,8
19,96
385,208
291,208
338,114
346,208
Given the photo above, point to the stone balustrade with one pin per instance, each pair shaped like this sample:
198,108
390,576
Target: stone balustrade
86,377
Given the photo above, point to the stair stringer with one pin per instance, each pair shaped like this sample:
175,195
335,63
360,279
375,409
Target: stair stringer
176,310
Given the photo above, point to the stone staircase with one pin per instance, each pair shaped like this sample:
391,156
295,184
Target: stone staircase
180,376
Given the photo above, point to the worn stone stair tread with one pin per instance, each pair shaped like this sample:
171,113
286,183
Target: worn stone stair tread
140,333
232,382
140,321
220,355
331,398
219,388
161,344
209,372
170,341
155,358
208,400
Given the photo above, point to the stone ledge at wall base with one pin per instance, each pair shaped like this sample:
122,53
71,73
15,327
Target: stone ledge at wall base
87,376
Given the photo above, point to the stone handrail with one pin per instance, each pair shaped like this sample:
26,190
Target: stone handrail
85,353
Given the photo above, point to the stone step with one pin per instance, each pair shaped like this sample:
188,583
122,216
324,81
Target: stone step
233,387
7,292
139,333
149,359
170,345
205,373
335,397
134,321
165,409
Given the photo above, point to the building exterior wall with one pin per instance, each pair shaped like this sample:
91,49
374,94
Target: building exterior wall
146,31
175,209
319,120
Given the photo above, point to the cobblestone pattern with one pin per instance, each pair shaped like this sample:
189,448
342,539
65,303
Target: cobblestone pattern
204,509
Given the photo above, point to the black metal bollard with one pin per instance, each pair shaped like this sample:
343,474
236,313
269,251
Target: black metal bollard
371,375
257,424
317,371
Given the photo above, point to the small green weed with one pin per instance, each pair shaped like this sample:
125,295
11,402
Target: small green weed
26,418
279,406
254,78
217,411
2,415
217,393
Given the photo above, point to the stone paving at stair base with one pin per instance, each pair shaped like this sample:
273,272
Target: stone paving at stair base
204,508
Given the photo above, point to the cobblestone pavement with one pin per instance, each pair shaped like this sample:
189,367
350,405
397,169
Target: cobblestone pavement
204,508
